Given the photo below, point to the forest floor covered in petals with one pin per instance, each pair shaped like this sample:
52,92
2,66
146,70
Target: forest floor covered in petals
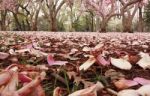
74,64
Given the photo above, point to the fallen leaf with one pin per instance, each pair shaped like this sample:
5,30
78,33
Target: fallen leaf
88,63
71,74
3,55
38,53
121,63
22,50
113,74
133,59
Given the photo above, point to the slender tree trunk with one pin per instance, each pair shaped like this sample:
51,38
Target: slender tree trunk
97,24
92,17
140,24
71,18
3,20
18,25
28,25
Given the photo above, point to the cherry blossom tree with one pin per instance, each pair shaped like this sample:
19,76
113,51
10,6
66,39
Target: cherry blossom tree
109,8
53,7
5,6
106,9
128,11
10,5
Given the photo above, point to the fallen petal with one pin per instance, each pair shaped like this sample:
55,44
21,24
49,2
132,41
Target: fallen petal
13,67
144,90
37,53
22,50
123,83
91,91
102,61
142,81
39,91
86,49
28,88
59,63
5,77
24,78
51,61
12,84
87,64
3,55
57,91
121,63
144,62
128,92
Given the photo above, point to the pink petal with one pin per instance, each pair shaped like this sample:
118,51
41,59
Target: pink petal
30,46
123,83
51,61
3,55
131,83
59,63
142,81
13,67
102,61
24,78
5,77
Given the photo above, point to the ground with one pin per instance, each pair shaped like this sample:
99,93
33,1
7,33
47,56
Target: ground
74,48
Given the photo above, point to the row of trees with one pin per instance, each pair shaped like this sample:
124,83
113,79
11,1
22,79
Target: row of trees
27,14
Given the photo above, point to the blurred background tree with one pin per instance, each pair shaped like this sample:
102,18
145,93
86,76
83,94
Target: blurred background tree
147,17
75,15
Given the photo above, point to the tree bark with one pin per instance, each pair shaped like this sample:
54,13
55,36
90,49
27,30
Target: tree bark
53,23
103,28
140,24
103,25
18,25
127,24
3,20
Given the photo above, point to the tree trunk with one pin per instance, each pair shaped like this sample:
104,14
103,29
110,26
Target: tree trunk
127,24
92,17
3,20
140,24
53,23
18,25
97,24
71,18
103,26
